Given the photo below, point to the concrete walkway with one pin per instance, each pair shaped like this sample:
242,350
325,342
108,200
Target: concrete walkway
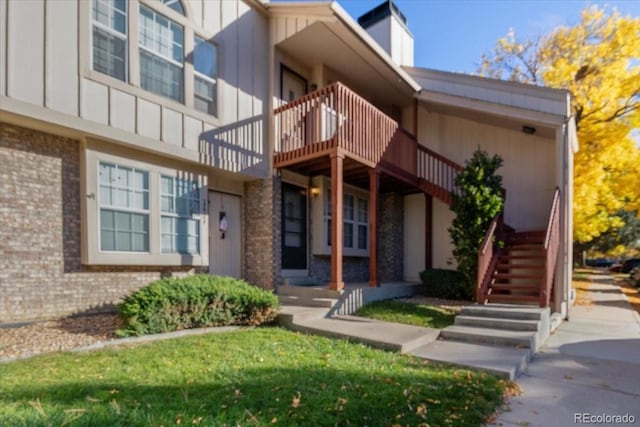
590,365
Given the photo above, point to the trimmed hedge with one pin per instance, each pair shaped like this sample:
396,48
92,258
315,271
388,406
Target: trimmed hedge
447,284
198,301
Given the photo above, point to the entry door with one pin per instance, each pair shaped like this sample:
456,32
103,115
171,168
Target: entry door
294,227
293,85
225,246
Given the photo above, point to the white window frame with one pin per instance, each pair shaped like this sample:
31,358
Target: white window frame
195,207
322,235
113,32
208,79
126,209
92,156
161,55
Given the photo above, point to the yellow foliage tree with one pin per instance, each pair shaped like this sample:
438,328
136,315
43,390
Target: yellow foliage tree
598,61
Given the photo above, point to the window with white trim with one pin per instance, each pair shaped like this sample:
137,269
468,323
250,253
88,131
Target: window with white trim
175,5
161,43
205,74
109,29
355,230
180,223
124,208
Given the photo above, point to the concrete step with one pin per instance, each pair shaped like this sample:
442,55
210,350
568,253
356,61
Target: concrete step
291,313
520,339
506,311
497,323
306,301
375,333
506,362
311,291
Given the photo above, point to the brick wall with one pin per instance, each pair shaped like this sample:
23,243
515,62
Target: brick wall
41,275
391,237
354,269
260,219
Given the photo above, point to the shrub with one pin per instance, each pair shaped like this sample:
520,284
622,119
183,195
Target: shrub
479,199
203,300
448,284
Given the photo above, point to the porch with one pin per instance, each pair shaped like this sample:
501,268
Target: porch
334,132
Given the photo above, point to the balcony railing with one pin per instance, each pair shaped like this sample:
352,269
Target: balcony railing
336,117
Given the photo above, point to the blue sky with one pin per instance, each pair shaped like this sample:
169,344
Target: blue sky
451,35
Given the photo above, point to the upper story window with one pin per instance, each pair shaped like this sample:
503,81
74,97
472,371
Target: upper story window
161,54
205,74
109,22
165,41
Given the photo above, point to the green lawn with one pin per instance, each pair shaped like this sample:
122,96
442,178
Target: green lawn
410,314
257,377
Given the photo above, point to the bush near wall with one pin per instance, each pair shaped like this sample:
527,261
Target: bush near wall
447,284
198,301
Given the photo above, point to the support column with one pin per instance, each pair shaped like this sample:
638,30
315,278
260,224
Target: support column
428,231
374,184
336,221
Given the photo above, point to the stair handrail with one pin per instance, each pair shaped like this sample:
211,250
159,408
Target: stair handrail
551,247
487,260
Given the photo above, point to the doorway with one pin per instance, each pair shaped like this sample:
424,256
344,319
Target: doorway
225,234
294,227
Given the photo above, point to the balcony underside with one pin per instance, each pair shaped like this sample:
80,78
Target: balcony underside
355,172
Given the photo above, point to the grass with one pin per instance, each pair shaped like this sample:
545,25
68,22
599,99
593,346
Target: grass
410,314
257,377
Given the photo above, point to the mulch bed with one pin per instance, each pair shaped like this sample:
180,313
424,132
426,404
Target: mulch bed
57,335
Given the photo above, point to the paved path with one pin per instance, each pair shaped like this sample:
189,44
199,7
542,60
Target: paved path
590,365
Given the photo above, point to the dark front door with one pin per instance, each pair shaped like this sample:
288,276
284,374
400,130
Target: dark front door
294,227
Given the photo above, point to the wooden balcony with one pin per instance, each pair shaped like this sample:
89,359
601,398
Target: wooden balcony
336,119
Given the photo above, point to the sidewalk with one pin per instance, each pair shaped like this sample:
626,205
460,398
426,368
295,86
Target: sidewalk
590,365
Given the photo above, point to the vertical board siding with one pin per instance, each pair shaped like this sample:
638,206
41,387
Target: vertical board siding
149,119
61,44
171,126
122,110
96,101
25,46
3,47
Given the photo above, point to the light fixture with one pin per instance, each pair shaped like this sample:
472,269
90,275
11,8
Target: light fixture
529,130
315,191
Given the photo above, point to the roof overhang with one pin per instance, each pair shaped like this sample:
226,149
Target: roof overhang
323,32
505,104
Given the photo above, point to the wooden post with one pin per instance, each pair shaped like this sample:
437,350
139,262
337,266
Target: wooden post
415,118
428,231
374,183
336,221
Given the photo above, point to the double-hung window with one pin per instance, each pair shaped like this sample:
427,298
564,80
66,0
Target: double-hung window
161,54
124,208
180,223
109,23
355,229
205,73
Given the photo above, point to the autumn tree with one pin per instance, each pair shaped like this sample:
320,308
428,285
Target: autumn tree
598,61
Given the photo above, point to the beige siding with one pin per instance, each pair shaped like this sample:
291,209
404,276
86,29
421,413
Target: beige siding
26,51
529,162
96,106
56,72
61,58
414,236
171,126
123,110
3,48
148,119
442,246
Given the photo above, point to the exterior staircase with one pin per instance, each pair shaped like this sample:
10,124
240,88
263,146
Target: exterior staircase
519,270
